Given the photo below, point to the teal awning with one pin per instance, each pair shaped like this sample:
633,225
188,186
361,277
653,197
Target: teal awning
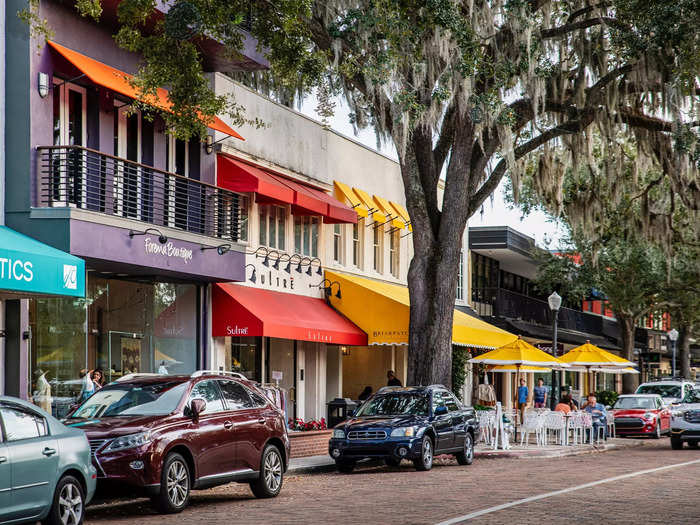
27,265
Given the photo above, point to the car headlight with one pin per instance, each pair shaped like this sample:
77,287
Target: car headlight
130,441
648,415
403,432
338,433
677,413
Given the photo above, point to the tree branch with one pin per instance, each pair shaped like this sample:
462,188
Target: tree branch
555,32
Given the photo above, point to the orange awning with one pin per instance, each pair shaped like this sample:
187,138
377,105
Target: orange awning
119,82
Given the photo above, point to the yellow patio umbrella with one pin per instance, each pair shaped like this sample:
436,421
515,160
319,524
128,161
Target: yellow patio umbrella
590,356
519,354
513,368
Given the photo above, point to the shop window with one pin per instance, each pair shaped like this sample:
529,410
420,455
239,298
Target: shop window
357,244
306,230
377,255
338,243
460,277
245,357
243,204
273,226
394,256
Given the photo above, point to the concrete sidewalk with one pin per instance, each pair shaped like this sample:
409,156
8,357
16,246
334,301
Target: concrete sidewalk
324,463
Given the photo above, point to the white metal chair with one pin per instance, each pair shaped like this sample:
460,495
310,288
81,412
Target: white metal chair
533,423
556,424
587,425
487,420
611,424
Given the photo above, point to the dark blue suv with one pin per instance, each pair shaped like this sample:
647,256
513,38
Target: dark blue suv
413,423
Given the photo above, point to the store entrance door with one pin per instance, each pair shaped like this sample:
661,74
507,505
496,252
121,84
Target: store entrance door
127,353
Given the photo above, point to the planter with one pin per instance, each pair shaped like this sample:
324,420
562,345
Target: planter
309,443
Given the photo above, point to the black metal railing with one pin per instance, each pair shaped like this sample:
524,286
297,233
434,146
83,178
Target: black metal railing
498,302
73,176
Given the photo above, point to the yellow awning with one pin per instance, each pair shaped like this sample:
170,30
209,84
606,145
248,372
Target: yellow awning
343,192
368,203
403,213
381,310
389,211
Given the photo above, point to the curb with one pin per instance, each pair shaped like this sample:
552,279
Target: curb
533,453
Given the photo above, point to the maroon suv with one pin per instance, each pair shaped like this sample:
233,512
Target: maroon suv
169,434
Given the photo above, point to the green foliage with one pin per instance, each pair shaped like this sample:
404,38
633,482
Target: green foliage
460,356
607,397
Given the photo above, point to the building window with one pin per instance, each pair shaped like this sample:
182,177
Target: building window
394,253
338,243
460,277
306,235
357,237
377,235
243,204
273,221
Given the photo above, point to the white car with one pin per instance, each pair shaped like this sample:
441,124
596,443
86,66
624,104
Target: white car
671,390
685,421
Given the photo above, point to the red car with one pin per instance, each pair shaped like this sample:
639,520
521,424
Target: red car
641,415
167,435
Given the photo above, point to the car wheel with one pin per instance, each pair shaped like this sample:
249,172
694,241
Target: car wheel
466,456
693,444
657,432
269,484
676,444
68,503
174,492
392,462
346,467
425,461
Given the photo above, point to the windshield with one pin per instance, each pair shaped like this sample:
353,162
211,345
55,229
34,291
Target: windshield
395,405
644,403
132,400
692,397
662,390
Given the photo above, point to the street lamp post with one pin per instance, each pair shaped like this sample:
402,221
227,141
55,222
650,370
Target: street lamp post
673,336
554,301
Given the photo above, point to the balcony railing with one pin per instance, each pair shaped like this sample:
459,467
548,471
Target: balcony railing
73,176
498,302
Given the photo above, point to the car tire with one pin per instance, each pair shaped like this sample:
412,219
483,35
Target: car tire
466,456
68,506
425,460
693,444
269,483
676,444
392,462
657,431
346,467
175,481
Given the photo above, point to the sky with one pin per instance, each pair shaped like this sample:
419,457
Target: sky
495,211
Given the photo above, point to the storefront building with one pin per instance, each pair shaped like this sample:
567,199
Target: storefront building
95,178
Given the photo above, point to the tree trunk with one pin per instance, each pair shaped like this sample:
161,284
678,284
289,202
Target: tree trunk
630,382
683,349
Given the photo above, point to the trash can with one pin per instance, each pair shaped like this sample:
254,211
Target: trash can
339,409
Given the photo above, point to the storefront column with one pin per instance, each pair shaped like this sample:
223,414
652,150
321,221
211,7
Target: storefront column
508,391
2,343
16,353
300,389
334,372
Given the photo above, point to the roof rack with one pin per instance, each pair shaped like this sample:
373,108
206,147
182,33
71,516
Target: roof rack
127,377
200,373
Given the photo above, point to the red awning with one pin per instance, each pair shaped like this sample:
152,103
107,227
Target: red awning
238,176
310,201
244,311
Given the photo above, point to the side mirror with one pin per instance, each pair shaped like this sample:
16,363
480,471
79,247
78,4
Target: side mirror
197,406
441,410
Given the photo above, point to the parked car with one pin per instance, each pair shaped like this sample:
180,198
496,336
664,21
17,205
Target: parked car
167,435
45,468
641,415
685,421
671,390
413,423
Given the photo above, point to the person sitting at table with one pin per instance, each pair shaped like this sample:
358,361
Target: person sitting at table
598,413
564,405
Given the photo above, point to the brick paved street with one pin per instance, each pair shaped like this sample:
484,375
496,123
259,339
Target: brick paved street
391,495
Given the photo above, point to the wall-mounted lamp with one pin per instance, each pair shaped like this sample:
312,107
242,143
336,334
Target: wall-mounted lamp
302,263
266,260
209,145
287,268
327,286
43,84
253,278
319,271
161,238
221,249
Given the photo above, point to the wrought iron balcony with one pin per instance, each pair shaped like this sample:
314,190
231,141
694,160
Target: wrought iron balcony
498,302
77,177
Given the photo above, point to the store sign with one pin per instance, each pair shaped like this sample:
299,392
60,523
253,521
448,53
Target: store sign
168,249
236,330
547,347
31,266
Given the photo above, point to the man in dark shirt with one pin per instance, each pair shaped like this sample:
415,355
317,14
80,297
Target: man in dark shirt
392,379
